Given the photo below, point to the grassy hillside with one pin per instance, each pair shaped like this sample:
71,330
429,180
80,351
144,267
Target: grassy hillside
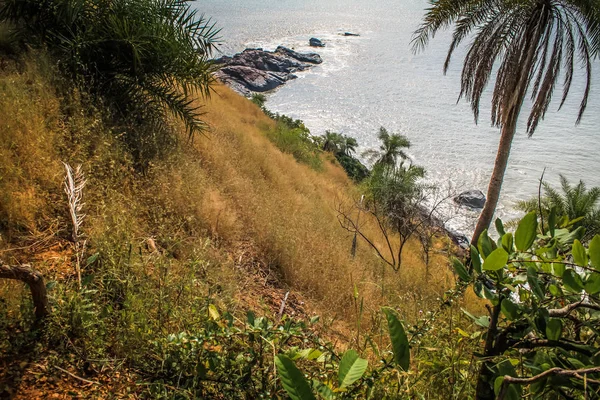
226,219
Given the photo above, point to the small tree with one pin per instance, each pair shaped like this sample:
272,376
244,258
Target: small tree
400,205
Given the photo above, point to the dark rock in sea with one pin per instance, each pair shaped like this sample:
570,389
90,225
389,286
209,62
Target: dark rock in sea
350,34
256,70
471,198
314,42
309,58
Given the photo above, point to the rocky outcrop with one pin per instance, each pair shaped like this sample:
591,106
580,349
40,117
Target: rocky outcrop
257,70
314,42
471,198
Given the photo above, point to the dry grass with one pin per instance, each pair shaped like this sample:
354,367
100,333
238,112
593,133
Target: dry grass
232,186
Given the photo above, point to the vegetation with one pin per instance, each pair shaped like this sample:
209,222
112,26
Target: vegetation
390,150
143,58
535,43
578,205
228,221
221,270
343,147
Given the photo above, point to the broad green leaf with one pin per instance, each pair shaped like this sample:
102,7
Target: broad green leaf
507,242
485,245
399,340
292,380
526,232
352,368
579,255
555,291
475,259
483,321
554,329
213,312
559,269
509,309
460,269
592,283
572,281
500,227
595,252
496,260
566,238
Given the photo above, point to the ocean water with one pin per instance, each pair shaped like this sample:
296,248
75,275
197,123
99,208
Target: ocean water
377,80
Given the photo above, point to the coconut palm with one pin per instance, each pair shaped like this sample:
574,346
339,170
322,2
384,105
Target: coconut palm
531,44
390,150
348,145
332,141
571,201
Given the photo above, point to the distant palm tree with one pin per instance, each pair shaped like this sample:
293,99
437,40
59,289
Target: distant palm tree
391,149
571,201
348,145
526,41
332,141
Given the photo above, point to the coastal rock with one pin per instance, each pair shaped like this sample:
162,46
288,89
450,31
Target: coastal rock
350,34
257,70
314,42
471,198
310,58
253,79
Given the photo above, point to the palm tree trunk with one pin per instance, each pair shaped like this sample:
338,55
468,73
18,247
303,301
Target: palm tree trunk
495,185
509,125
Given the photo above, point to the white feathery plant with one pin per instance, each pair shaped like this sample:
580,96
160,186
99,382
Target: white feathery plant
74,184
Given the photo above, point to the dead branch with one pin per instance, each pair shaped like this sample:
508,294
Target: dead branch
578,374
34,279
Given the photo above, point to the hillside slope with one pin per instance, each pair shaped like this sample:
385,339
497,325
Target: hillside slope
225,219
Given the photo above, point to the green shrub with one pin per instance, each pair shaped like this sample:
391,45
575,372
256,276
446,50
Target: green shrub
541,334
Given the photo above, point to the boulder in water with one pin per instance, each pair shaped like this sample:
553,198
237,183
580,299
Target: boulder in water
314,42
471,198
256,70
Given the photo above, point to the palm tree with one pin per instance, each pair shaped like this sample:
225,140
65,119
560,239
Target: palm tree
348,145
391,149
529,41
571,201
332,141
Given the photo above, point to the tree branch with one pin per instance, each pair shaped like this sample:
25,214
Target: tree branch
34,279
566,310
579,374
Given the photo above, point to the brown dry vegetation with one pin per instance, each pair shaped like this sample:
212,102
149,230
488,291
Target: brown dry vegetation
229,212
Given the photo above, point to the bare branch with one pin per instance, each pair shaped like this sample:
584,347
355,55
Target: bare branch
34,279
578,374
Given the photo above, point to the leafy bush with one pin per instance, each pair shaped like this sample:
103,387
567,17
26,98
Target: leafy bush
292,137
541,337
145,58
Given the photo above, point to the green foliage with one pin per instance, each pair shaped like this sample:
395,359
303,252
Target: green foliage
352,368
390,150
294,138
399,340
146,59
342,147
292,379
544,311
568,204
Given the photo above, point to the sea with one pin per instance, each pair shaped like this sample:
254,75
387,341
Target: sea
376,79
